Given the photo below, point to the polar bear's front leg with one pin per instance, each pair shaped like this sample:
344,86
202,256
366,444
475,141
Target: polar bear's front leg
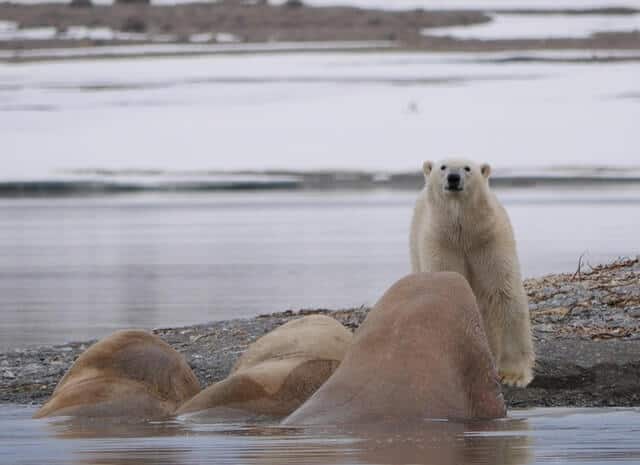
503,304
517,358
506,321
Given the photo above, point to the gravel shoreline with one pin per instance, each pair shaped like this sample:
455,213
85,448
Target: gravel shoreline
586,329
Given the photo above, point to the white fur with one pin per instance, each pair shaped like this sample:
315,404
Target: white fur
469,232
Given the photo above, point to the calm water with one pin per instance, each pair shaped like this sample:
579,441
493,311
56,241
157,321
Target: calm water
77,268
571,436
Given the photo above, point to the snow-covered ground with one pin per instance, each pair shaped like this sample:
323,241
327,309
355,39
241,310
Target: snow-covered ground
11,31
372,111
513,26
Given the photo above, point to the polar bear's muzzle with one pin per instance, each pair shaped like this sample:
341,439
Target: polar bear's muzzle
454,183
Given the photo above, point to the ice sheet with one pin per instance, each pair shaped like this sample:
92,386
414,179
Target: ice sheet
373,111
509,26
10,31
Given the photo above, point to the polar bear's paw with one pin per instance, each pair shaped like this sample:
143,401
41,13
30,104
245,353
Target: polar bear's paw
517,379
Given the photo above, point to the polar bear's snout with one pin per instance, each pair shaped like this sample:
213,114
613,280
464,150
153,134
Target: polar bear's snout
454,182
454,178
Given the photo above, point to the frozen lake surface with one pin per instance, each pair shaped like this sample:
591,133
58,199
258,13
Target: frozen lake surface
513,26
370,111
536,436
79,268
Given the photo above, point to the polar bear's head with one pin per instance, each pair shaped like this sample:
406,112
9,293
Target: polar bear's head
455,177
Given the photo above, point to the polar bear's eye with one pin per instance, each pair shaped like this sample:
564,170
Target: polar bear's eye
443,167
467,169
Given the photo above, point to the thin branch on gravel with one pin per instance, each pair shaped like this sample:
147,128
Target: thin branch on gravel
578,271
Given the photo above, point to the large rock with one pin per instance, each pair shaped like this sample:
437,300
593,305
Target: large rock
130,374
421,353
278,372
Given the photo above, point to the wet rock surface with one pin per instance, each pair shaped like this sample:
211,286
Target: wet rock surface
586,329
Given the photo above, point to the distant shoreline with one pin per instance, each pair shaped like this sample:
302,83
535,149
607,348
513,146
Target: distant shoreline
109,183
236,22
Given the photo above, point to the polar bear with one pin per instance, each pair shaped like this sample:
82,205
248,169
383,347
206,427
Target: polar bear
459,225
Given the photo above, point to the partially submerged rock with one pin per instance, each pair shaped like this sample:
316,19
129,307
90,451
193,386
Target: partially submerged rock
131,374
278,372
421,353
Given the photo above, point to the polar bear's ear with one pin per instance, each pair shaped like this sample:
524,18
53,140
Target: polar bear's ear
427,166
485,169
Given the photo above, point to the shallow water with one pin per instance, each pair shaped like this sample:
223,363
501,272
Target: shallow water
572,436
78,268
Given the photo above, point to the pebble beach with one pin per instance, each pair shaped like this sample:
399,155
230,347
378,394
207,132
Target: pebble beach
586,329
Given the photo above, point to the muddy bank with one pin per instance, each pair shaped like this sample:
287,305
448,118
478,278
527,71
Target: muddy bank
586,329
262,23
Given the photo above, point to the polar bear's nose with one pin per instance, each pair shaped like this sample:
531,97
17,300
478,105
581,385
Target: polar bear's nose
453,179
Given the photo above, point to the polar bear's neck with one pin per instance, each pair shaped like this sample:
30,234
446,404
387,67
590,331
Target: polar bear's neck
463,217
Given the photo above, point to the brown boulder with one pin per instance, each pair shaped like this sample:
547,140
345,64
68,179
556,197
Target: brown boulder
131,374
421,353
278,372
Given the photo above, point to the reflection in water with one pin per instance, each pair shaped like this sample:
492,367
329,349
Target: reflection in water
571,436
438,443
121,442
75,269
445,443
